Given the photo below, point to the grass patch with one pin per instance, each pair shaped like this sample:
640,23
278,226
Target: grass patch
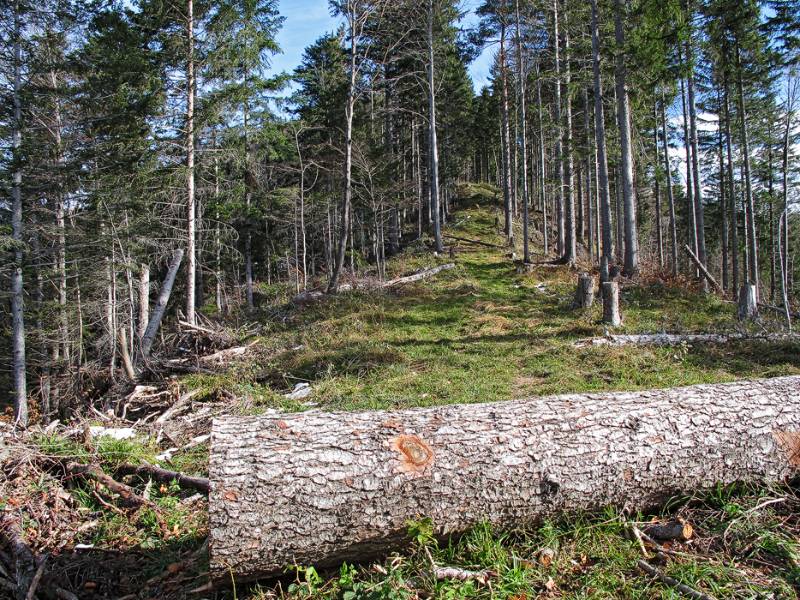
482,332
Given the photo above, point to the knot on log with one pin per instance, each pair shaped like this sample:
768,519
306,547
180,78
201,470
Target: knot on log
415,453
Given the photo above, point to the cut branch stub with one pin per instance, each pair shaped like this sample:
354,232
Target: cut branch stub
324,488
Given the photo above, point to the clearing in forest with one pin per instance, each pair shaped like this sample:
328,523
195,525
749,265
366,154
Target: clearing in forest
476,333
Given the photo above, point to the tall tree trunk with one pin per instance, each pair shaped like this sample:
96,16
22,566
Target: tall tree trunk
217,233
508,224
673,225
17,292
434,145
722,198
698,194
191,229
772,233
559,132
600,141
61,244
341,249
542,166
657,190
590,215
687,143
752,244
731,190
570,242
792,86
631,266
523,137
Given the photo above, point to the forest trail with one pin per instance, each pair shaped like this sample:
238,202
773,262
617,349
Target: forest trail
481,332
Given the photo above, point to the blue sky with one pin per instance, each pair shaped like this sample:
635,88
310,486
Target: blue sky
306,20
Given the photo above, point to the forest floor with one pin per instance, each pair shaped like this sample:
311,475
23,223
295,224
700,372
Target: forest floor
477,333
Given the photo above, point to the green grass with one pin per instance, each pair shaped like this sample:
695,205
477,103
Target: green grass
582,557
481,332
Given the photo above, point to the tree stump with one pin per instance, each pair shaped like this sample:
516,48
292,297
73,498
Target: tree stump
584,294
748,305
320,489
611,315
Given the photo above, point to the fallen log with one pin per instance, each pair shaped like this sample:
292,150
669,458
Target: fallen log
424,274
676,339
324,488
471,241
164,476
309,296
702,269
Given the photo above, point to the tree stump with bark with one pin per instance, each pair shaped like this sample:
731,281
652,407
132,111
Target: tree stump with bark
747,309
584,294
323,488
611,314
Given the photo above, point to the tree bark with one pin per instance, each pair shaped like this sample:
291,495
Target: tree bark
322,488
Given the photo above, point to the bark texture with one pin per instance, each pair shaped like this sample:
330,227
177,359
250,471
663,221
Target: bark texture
322,488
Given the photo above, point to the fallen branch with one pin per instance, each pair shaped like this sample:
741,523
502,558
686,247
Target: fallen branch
128,496
339,487
161,305
419,275
176,408
37,578
164,476
676,339
471,241
443,573
703,271
672,582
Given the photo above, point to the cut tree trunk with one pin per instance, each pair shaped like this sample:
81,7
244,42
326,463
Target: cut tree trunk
584,295
323,488
748,305
676,339
611,314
